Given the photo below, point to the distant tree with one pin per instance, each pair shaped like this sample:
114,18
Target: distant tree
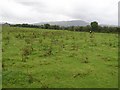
87,28
55,27
71,28
100,28
76,28
118,30
42,26
47,26
94,26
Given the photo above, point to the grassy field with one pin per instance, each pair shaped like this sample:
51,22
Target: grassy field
38,58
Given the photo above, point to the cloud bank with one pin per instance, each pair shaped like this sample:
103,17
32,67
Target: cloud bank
33,11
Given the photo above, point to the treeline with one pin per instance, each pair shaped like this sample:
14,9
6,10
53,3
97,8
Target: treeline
25,25
88,28
45,26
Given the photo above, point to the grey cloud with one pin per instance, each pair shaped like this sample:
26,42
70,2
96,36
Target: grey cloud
103,11
32,3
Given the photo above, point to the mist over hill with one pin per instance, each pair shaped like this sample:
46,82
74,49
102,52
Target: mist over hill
66,23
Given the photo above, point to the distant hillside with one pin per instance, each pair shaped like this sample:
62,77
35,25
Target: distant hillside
66,23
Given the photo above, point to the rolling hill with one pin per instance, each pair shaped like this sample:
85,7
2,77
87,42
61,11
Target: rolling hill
66,23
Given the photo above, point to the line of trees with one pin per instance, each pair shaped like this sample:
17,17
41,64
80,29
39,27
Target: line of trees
92,27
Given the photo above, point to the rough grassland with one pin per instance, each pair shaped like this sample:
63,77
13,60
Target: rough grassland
38,58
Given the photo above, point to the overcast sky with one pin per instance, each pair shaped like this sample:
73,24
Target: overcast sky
34,11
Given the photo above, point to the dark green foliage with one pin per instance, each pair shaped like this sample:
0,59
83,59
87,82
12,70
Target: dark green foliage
47,26
25,25
94,26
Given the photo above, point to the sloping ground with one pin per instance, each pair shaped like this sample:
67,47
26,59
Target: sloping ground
37,58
